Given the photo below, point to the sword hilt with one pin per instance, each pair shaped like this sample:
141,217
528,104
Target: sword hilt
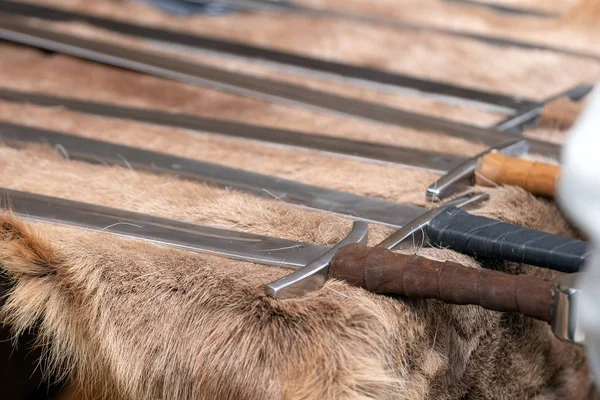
463,175
380,270
560,113
314,275
536,177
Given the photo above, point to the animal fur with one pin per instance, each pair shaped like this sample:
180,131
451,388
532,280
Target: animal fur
586,13
125,319
145,321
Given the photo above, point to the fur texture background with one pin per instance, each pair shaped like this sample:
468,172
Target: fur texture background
132,320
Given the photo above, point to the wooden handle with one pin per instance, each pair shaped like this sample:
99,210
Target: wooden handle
380,270
497,169
560,113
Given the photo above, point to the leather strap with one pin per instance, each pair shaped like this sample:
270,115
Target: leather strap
488,238
380,270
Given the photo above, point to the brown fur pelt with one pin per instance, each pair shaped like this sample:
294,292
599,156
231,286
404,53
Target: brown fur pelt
586,13
125,319
143,321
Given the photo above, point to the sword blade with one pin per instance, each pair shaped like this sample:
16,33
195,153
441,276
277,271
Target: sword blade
354,149
288,7
506,9
307,196
238,245
239,84
365,76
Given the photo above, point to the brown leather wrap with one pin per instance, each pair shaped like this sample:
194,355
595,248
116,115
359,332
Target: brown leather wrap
380,270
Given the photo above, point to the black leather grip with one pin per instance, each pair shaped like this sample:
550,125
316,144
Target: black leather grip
488,238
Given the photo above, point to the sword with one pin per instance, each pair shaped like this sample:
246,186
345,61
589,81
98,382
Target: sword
498,166
276,6
371,78
501,8
353,149
534,113
538,178
375,269
240,84
292,192
413,158
443,226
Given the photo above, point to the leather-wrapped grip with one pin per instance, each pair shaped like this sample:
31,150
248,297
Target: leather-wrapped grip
560,113
489,238
497,169
380,270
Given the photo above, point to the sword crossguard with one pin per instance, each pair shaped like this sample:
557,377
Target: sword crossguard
314,275
463,175
413,233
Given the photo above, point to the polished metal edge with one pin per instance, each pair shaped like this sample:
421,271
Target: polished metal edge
188,236
263,89
494,102
353,149
298,194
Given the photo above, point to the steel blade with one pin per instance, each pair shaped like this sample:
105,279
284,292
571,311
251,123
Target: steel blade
205,239
308,196
287,7
365,76
354,149
240,84
506,9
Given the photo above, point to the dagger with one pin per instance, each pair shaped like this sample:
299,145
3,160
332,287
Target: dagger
376,269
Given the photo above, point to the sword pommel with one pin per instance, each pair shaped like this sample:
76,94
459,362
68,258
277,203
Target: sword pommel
565,319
